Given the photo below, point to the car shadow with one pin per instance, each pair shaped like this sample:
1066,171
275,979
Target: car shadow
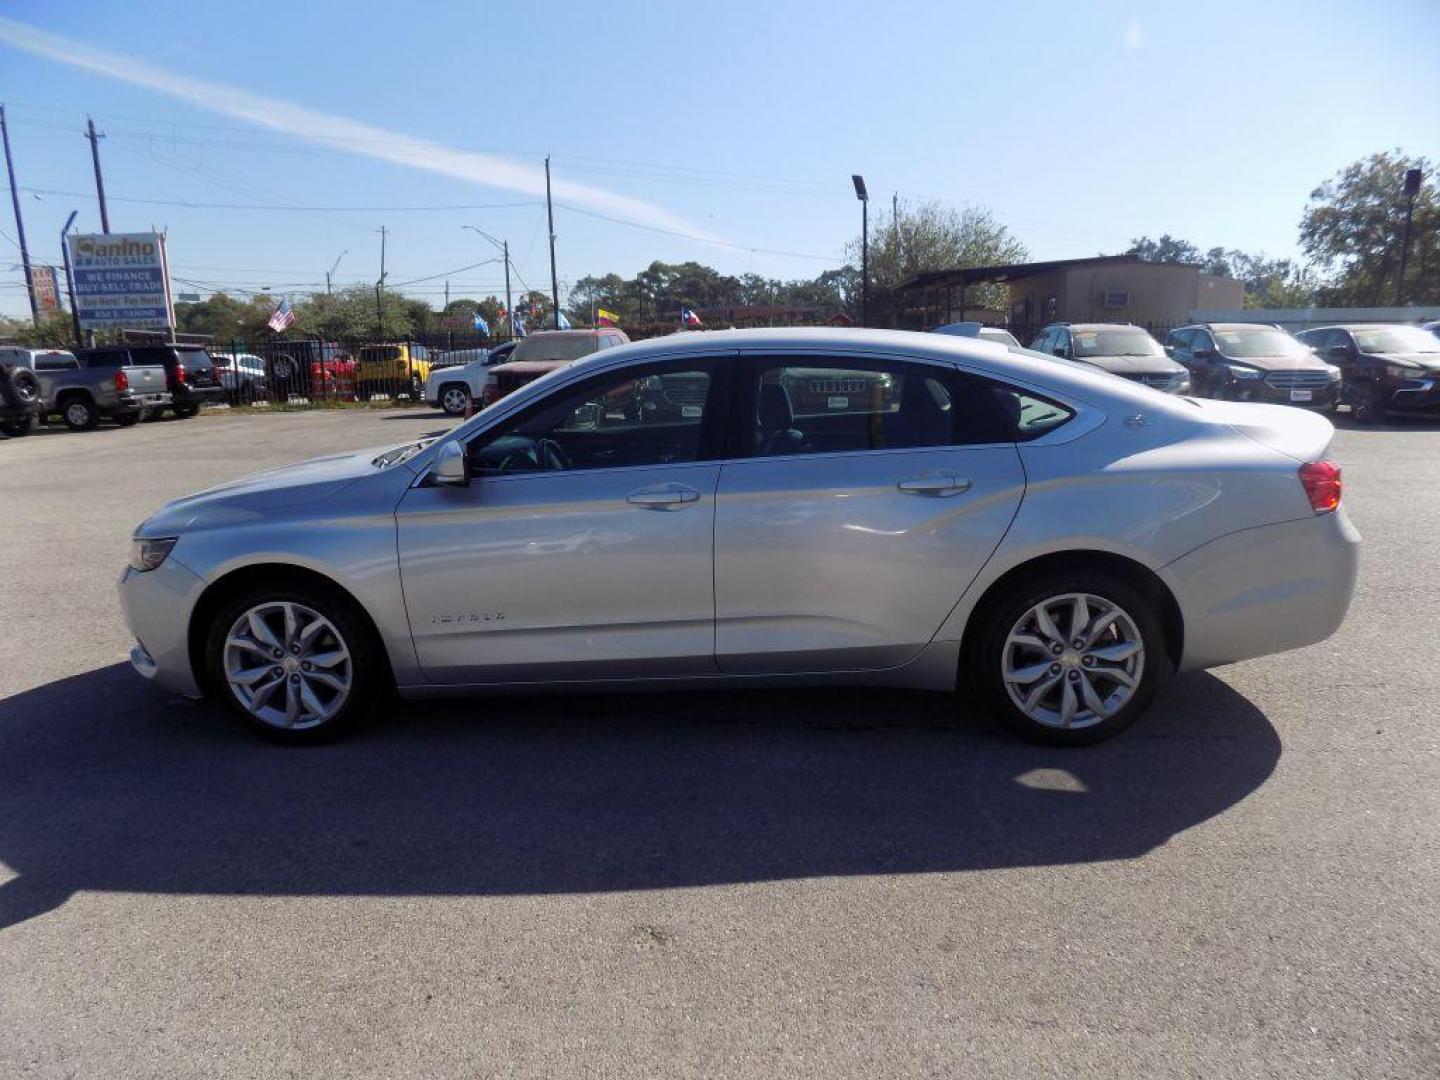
105,784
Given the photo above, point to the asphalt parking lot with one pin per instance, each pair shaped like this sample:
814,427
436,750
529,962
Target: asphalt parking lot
759,884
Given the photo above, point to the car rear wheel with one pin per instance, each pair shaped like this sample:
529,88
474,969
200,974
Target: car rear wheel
455,399
184,412
295,665
79,414
1071,657
20,426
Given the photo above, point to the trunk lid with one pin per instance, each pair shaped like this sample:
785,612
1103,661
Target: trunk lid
1296,433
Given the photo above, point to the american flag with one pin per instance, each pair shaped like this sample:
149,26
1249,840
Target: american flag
283,317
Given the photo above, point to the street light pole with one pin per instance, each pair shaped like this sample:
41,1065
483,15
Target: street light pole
70,277
332,269
550,214
1412,188
864,197
504,246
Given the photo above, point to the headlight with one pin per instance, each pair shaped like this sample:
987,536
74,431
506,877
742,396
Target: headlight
1240,371
1183,385
148,553
1333,372
1398,371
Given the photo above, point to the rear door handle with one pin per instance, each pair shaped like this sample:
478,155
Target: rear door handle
663,497
934,485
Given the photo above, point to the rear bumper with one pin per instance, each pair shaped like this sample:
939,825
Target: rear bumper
157,606
198,395
1265,590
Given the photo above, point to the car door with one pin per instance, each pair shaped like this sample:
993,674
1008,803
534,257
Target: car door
1204,361
845,531
583,546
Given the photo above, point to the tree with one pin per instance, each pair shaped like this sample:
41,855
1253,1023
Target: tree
1269,283
352,314
224,318
928,236
55,330
1351,229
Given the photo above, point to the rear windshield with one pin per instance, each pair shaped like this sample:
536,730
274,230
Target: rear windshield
1261,341
374,353
1117,341
194,358
566,348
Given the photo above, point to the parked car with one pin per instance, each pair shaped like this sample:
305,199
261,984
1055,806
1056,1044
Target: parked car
242,375
308,369
399,369
1384,366
981,331
1121,349
999,524
20,396
453,387
189,375
545,351
87,386
1432,327
1254,362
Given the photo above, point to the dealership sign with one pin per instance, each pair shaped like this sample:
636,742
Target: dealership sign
46,289
121,280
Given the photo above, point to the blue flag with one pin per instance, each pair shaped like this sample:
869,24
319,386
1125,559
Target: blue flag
481,324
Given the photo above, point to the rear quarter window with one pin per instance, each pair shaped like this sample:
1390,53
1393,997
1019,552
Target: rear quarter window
1026,414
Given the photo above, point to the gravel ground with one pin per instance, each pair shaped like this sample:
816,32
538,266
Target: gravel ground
741,884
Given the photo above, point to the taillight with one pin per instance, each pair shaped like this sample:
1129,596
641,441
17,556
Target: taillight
1321,481
179,374
122,381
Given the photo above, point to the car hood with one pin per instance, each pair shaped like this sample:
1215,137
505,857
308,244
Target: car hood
1429,361
1135,365
288,485
1280,363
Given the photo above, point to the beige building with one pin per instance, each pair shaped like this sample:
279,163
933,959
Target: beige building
1107,288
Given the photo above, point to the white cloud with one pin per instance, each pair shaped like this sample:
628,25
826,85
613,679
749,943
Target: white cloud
1134,35
339,132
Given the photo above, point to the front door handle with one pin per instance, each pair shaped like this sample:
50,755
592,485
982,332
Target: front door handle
664,497
941,486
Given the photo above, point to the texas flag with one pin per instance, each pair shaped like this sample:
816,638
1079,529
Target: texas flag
689,318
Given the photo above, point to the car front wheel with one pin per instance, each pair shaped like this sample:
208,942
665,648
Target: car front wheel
1071,658
455,399
296,665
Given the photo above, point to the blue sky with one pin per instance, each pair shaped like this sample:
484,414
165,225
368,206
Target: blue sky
728,131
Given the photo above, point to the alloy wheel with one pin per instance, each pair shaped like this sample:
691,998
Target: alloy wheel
287,665
1073,661
454,400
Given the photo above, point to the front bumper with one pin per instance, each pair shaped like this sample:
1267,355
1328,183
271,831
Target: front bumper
1309,397
157,605
1265,590
1421,394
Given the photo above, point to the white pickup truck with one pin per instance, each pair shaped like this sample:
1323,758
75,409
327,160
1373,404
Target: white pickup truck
453,386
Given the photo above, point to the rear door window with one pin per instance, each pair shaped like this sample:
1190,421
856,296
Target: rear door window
107,358
55,361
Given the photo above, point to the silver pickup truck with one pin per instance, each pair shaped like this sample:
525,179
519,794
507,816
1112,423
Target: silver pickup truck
104,384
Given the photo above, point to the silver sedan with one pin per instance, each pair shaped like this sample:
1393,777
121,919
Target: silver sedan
764,508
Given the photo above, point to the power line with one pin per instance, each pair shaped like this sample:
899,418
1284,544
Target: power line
279,206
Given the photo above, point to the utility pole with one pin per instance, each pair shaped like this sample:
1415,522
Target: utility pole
380,287
99,180
19,223
70,277
1412,188
447,294
509,311
550,213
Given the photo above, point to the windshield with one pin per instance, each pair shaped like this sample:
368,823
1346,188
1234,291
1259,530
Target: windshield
379,353
1116,341
546,347
1261,341
1396,339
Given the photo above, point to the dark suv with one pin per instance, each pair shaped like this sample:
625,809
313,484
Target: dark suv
189,375
1121,349
1254,362
1385,367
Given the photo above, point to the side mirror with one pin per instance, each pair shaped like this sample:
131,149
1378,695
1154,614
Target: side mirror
1204,354
452,467
1338,352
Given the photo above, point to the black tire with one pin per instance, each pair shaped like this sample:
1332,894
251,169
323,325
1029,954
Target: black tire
1365,404
129,419
184,412
25,387
79,413
456,407
367,666
988,659
417,388
18,427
